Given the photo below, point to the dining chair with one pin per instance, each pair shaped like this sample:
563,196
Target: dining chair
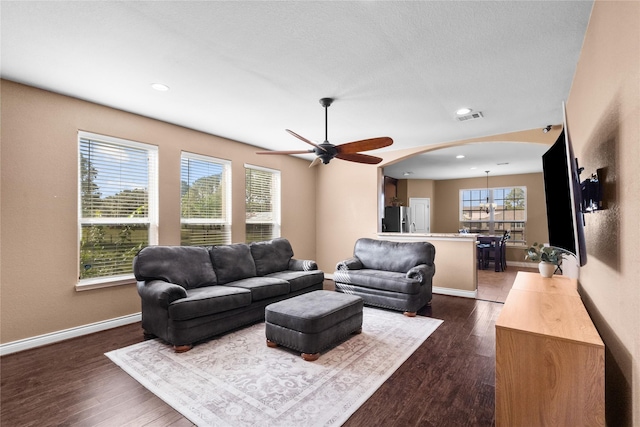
482,249
496,253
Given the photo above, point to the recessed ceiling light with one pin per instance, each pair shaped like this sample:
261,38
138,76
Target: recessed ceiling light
160,87
407,173
473,167
463,111
460,156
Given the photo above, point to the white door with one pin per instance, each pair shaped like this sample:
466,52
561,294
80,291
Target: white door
420,215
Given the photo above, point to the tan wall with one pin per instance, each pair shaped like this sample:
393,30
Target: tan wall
39,204
446,206
604,124
402,192
424,188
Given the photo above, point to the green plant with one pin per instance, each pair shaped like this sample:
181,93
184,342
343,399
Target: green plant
539,252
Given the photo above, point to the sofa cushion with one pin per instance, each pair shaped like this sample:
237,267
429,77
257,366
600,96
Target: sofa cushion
232,262
271,256
263,287
377,279
187,266
393,256
210,300
299,279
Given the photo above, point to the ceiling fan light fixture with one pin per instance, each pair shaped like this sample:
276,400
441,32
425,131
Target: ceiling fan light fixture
463,111
160,87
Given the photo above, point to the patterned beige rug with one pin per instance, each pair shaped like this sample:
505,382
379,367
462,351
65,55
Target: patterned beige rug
236,380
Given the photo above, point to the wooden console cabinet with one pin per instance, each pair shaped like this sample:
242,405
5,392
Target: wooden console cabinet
549,357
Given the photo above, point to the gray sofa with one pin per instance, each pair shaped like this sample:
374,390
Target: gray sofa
391,275
193,293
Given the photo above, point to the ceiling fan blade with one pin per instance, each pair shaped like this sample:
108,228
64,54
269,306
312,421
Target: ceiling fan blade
315,162
359,158
302,138
286,152
364,145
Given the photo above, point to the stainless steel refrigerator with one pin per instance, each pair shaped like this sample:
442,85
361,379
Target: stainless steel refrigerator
396,219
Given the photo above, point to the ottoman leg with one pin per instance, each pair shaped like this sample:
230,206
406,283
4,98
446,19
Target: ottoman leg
310,357
271,344
182,348
357,331
410,313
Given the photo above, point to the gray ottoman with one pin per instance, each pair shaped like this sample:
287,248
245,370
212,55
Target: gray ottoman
311,322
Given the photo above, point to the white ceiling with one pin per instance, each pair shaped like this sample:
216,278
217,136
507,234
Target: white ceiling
499,158
248,70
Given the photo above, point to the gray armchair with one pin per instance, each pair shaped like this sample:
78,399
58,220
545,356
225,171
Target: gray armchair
394,275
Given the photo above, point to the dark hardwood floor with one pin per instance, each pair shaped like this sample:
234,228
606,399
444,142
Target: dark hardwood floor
448,381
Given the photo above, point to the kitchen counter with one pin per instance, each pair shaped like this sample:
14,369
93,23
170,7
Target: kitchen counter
456,260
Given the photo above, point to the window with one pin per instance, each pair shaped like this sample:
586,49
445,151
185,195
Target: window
494,210
205,200
117,205
262,203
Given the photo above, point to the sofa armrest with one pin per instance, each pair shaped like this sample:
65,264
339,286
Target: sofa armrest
349,264
421,272
302,265
160,293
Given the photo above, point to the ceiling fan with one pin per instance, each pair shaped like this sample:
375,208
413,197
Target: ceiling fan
348,151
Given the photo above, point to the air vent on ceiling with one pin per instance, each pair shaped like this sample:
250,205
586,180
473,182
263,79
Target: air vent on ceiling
471,116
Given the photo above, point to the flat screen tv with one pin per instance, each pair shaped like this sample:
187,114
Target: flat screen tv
565,219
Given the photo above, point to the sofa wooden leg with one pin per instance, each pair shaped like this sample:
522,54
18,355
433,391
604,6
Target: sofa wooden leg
429,304
182,348
357,331
410,313
147,336
310,357
271,344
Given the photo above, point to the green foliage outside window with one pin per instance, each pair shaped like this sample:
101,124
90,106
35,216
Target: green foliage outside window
114,207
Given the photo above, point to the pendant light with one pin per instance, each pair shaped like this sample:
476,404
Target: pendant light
487,206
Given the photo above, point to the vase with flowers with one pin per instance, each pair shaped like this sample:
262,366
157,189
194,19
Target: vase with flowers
549,257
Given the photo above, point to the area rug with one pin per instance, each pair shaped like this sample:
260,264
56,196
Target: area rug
236,380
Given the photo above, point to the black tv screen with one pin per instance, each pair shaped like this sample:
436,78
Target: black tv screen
562,192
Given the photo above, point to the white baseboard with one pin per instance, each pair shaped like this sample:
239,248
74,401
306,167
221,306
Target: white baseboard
455,292
53,337
522,264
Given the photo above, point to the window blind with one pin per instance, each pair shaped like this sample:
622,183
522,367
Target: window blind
205,200
262,204
117,204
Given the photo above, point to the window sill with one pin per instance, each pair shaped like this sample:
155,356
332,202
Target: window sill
105,282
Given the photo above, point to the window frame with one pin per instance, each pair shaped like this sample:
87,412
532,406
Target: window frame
152,209
491,221
276,202
227,195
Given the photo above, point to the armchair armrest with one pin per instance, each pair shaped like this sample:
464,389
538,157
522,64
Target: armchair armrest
160,293
421,272
349,264
302,265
